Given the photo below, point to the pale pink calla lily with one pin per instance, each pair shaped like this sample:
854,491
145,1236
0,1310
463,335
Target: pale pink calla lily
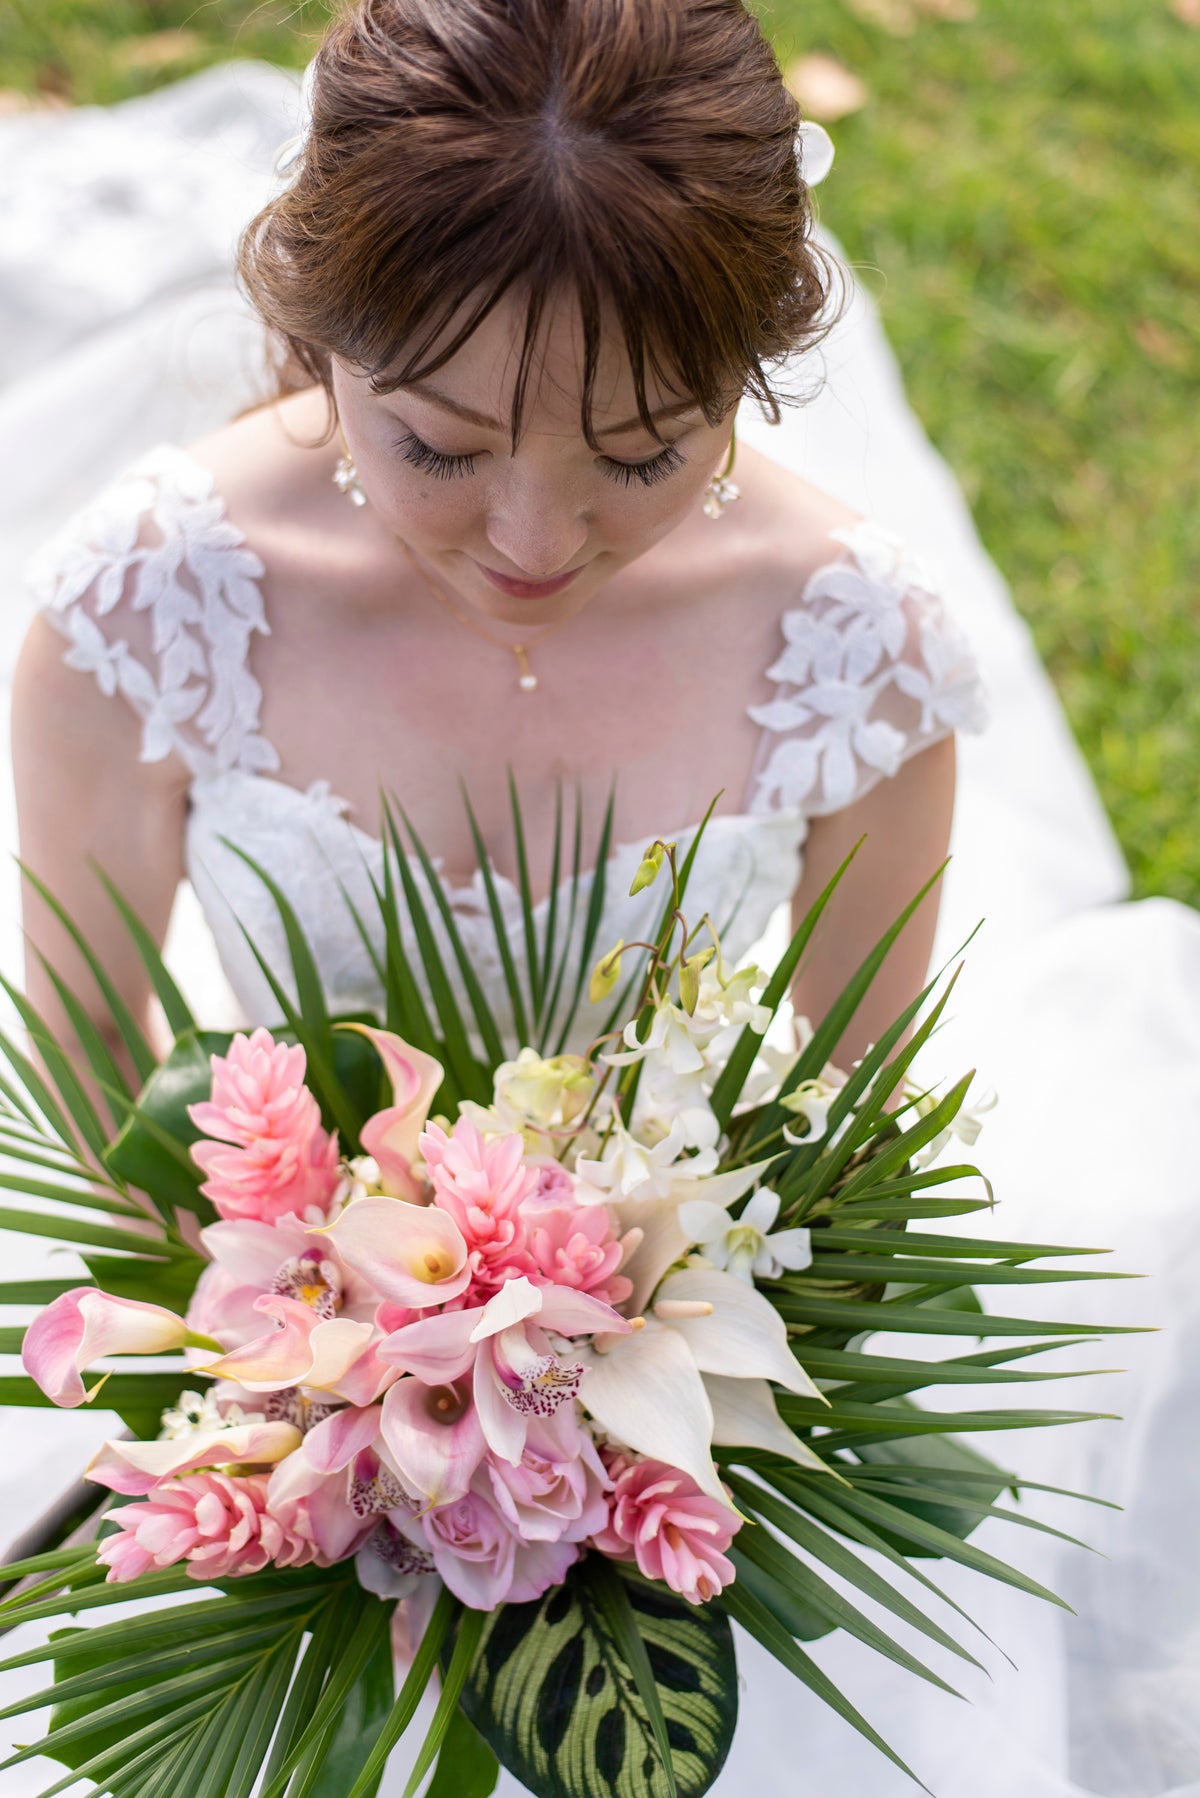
517,1372
135,1468
81,1326
303,1350
391,1136
413,1255
433,1436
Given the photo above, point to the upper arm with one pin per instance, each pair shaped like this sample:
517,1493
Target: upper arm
84,797
904,824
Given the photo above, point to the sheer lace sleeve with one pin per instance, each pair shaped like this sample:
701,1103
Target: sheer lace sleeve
872,671
158,598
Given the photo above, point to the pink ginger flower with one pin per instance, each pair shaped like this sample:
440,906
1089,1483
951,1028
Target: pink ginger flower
482,1183
555,1186
218,1522
659,1517
576,1245
272,1156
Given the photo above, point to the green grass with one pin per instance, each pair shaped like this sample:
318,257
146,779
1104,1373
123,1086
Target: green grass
1020,195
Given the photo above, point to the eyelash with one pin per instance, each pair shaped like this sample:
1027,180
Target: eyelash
445,468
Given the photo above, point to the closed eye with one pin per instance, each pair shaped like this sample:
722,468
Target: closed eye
659,468
422,455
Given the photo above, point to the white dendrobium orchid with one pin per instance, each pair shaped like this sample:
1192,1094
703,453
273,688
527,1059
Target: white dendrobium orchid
965,1126
728,998
811,1100
635,1170
674,1035
742,1245
649,1391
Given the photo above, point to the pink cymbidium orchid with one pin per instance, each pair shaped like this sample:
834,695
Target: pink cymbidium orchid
304,1349
135,1468
250,1259
83,1325
517,1372
413,1255
391,1136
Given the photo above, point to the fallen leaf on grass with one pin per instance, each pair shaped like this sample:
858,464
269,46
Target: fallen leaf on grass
896,17
959,12
825,88
1160,344
13,100
158,49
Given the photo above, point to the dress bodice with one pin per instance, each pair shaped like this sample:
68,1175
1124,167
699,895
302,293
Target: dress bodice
159,598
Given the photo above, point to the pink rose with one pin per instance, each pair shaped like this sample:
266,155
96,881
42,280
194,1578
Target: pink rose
218,1522
272,1157
483,1560
675,1532
557,1492
576,1245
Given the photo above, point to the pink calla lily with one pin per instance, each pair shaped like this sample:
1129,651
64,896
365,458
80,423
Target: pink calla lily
303,1350
413,1255
433,1437
135,1468
391,1135
83,1325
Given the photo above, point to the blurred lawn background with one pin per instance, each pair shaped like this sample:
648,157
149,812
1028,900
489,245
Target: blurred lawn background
1018,183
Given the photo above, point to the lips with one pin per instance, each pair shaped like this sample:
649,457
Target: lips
518,589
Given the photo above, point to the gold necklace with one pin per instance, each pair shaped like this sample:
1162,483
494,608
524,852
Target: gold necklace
527,680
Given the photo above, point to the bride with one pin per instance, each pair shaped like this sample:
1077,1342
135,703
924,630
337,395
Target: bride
527,262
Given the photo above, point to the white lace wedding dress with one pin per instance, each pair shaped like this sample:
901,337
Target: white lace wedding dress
123,340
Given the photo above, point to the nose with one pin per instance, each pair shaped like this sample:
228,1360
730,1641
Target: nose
537,529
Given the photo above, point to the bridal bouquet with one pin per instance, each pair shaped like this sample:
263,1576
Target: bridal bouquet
529,1367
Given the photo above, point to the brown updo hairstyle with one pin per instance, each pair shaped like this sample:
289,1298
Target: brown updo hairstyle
636,154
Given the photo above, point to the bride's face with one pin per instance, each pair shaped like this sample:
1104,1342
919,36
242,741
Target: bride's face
526,535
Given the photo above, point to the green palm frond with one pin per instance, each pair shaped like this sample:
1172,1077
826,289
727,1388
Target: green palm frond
282,1683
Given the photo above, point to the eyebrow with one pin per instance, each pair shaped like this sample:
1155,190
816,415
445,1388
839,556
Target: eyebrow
635,423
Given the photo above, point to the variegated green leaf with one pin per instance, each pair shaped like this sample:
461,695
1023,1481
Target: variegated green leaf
552,1695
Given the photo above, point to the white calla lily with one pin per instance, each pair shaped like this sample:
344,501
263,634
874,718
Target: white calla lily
646,1392
744,1416
742,1337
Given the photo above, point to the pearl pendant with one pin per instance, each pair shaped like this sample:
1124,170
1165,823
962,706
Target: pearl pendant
528,683
719,493
527,680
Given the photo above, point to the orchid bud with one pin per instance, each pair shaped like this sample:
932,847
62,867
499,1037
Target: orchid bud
606,974
689,979
648,867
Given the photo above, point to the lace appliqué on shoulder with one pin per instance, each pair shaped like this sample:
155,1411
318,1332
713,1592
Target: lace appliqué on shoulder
872,671
190,573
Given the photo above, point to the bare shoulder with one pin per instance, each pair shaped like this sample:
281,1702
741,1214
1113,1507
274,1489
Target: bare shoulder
790,521
271,468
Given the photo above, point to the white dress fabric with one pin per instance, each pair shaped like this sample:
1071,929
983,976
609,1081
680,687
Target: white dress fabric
123,332
157,596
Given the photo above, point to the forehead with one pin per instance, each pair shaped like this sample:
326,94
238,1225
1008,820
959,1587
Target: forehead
484,372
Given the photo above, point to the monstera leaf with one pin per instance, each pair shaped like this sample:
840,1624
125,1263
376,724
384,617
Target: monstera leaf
553,1693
